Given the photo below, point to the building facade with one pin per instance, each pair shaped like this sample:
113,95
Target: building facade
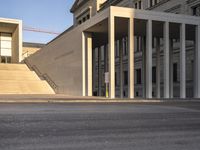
149,47
10,40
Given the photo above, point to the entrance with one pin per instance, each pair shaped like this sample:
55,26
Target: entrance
5,59
5,47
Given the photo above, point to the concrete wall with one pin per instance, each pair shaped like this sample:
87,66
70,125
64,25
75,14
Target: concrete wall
62,61
17,45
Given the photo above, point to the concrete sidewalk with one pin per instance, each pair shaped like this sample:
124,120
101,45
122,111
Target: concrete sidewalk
60,98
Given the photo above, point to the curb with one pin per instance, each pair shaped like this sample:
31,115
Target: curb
94,101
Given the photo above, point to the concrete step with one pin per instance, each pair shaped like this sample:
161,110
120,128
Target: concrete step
13,67
25,87
18,75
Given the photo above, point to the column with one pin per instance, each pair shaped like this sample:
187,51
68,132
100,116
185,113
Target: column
143,67
121,42
131,58
197,63
166,60
182,62
149,60
83,64
158,67
99,71
171,82
111,41
89,63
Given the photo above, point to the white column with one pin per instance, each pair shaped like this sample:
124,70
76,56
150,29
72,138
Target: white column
121,67
131,58
158,67
182,62
166,60
83,64
111,41
197,63
89,63
149,60
171,89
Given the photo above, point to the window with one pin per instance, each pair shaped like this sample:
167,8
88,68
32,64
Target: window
136,6
196,10
84,19
138,44
117,49
138,76
125,77
175,72
150,3
154,74
140,4
88,16
115,78
125,49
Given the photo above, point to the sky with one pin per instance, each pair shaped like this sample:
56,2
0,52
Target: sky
51,15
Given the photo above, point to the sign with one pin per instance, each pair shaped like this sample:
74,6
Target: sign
106,77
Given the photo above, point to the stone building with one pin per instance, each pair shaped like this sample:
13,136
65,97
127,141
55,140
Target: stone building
149,47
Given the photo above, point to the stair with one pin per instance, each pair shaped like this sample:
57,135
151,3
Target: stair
18,79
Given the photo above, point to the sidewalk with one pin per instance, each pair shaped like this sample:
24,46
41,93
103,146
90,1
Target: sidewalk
60,98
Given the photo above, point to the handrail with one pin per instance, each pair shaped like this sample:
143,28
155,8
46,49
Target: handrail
51,82
44,76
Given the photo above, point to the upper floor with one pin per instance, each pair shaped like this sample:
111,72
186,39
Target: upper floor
85,9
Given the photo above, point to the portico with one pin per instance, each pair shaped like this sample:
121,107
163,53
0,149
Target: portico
109,40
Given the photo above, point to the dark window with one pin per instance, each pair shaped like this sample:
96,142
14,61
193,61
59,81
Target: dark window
138,44
151,3
115,78
116,49
196,10
175,72
155,2
79,22
138,76
84,19
88,16
153,74
125,51
140,4
125,77
135,5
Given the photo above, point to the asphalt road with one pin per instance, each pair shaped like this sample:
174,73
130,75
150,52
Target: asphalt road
100,126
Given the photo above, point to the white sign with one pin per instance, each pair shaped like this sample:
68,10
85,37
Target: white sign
106,77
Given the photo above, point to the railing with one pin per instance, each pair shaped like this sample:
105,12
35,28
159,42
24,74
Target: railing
42,76
51,82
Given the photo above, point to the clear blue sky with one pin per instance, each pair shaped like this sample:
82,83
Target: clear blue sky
53,15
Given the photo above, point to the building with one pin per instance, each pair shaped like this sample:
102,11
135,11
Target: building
30,48
10,40
150,48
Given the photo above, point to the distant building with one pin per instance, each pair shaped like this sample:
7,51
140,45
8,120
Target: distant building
30,48
151,48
